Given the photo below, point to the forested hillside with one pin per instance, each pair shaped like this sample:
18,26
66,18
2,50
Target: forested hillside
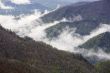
39,55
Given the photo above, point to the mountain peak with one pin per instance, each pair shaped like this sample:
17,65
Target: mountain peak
105,35
100,41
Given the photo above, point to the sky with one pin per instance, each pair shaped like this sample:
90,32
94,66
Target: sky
28,1
48,3
52,4
77,0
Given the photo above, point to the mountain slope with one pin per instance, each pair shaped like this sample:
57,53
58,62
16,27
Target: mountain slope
98,10
52,4
84,17
80,26
101,41
40,55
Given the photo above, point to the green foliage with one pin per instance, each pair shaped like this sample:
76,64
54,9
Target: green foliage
103,67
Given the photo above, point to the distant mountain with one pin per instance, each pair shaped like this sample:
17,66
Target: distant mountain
101,41
98,10
22,8
39,55
52,4
84,17
84,27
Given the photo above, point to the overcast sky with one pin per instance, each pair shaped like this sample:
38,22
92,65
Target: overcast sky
78,0
27,1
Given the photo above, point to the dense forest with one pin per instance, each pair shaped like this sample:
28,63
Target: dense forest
98,42
26,54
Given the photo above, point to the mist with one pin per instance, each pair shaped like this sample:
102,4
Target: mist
2,6
21,1
33,27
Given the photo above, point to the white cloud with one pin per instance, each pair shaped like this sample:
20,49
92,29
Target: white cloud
21,1
66,40
21,24
99,30
2,6
32,26
99,54
40,29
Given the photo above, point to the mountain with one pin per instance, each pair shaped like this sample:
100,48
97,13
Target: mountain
52,4
39,55
57,29
18,9
82,16
101,41
98,10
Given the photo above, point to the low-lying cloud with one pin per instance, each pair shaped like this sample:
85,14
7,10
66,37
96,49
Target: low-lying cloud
32,26
21,1
93,54
2,6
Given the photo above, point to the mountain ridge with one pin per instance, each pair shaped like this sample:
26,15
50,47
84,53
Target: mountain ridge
40,55
87,15
98,42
